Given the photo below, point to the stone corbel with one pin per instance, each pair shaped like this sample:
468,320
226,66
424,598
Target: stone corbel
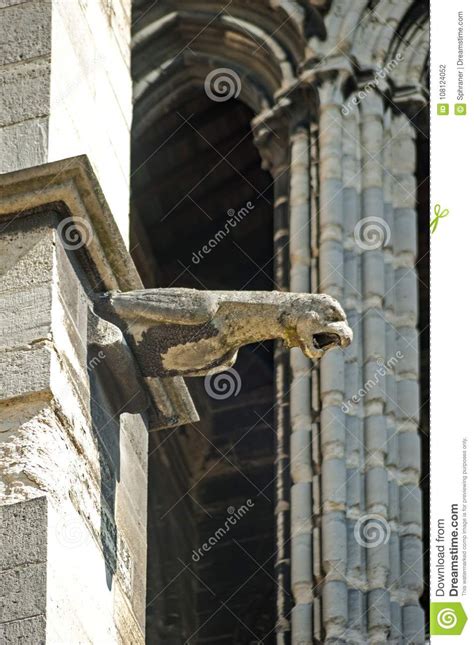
110,354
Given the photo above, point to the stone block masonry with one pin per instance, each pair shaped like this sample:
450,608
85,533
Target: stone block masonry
73,483
73,461
65,89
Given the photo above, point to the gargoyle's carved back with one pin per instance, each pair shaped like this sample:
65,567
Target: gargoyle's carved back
194,333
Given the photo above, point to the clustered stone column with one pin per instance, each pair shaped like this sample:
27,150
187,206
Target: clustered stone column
370,445
354,452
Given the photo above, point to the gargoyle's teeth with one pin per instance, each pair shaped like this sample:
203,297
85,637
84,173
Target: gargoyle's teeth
320,341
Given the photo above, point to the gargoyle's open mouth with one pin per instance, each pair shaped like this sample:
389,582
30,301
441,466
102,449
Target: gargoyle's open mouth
323,340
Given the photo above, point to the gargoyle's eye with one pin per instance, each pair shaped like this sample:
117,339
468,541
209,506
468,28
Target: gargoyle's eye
322,340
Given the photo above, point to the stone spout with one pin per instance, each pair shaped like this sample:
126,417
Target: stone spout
187,332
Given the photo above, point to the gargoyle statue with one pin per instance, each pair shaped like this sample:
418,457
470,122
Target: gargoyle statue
186,332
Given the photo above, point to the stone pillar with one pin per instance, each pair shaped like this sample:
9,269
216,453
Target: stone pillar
65,89
301,462
73,434
370,452
407,413
271,134
333,434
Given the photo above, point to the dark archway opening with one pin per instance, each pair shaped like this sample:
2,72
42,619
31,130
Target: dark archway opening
192,171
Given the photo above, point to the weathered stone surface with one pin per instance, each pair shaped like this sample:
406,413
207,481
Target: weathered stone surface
27,630
23,533
331,269
377,488
91,111
24,91
334,543
23,144
332,431
74,484
333,491
25,372
410,507
410,451
25,31
300,451
376,435
411,563
379,609
335,602
414,624
332,376
23,592
195,333
66,89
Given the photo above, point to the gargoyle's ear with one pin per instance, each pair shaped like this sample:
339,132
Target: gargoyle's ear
310,316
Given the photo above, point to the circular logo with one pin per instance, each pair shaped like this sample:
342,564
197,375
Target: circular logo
222,84
224,385
371,531
74,233
372,233
447,618
72,535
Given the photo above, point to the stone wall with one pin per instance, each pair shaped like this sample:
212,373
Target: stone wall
73,473
65,89
73,434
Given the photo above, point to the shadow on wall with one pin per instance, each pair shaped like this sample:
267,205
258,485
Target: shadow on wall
106,429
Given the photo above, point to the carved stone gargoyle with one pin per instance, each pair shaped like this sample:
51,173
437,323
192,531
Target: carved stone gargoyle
186,332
